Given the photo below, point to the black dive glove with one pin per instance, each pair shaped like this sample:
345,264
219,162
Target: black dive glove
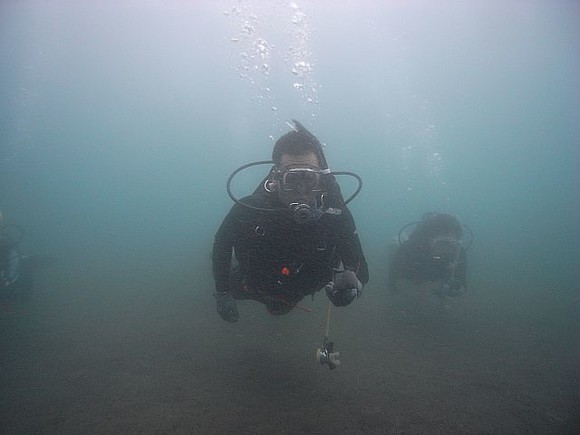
226,307
344,288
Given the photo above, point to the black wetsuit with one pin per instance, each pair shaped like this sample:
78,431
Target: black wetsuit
414,261
281,261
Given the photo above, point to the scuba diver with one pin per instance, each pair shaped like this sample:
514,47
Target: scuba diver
433,252
292,237
16,270
10,261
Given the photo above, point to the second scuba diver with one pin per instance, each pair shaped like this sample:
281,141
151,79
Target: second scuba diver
16,276
434,253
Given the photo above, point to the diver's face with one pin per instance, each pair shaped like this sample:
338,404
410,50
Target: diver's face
445,246
299,177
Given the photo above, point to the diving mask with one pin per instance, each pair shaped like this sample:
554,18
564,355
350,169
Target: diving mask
300,179
444,246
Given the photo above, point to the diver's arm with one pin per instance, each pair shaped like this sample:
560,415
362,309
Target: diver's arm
221,259
350,249
348,284
222,251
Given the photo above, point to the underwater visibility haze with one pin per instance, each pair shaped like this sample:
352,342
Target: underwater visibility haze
121,122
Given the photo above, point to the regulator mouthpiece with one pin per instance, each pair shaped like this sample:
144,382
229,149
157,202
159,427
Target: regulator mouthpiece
302,213
326,355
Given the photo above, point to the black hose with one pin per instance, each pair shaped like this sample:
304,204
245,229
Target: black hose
236,200
360,184
404,228
266,162
418,222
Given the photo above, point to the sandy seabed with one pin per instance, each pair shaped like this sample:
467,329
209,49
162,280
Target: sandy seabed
135,355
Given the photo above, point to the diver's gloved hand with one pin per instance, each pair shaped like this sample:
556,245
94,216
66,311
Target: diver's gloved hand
344,289
226,307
